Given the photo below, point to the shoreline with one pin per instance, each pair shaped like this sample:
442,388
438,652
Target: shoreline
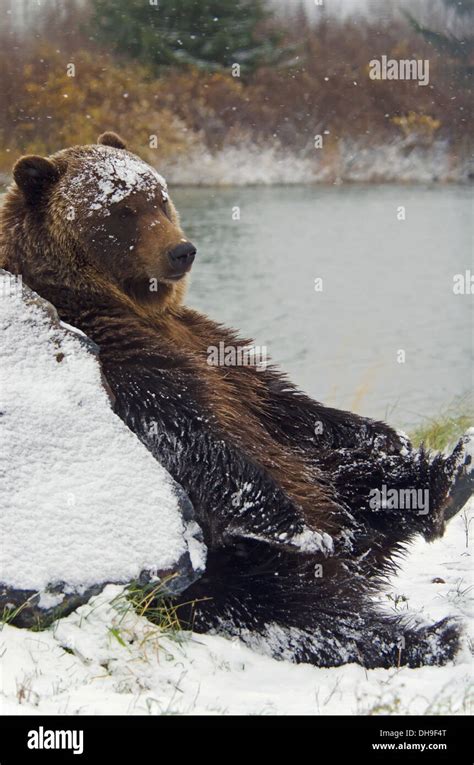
350,162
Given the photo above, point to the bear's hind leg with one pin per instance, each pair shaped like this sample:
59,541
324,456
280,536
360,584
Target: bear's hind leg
278,603
374,642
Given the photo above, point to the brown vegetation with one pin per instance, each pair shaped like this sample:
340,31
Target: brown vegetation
326,88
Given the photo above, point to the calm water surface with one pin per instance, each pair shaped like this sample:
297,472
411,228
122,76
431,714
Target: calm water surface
387,285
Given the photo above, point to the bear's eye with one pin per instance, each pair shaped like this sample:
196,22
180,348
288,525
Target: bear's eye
167,210
125,213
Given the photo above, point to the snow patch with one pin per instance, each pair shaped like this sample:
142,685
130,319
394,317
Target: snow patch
309,541
110,175
197,548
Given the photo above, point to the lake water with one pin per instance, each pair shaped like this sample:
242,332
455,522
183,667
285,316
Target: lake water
387,286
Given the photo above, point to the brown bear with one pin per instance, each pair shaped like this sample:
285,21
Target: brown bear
282,486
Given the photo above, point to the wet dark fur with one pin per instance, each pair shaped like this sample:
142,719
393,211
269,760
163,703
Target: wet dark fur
243,444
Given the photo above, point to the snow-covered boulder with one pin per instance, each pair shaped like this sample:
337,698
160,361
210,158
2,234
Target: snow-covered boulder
82,502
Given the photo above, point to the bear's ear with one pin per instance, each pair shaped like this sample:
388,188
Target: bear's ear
33,174
111,139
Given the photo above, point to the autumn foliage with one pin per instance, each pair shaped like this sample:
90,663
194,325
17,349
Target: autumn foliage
325,88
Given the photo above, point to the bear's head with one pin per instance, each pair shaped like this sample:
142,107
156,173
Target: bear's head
96,214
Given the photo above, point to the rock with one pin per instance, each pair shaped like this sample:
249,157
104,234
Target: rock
82,502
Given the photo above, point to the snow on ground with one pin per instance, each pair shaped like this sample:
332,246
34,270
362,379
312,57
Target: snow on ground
82,501
105,659
353,161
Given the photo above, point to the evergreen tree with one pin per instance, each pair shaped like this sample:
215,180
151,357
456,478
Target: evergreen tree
207,33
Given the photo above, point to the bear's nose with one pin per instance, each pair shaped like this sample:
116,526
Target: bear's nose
182,256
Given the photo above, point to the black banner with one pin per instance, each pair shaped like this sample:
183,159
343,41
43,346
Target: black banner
128,739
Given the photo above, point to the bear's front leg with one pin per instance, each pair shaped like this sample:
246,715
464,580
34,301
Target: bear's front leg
396,490
397,496
300,422
232,495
